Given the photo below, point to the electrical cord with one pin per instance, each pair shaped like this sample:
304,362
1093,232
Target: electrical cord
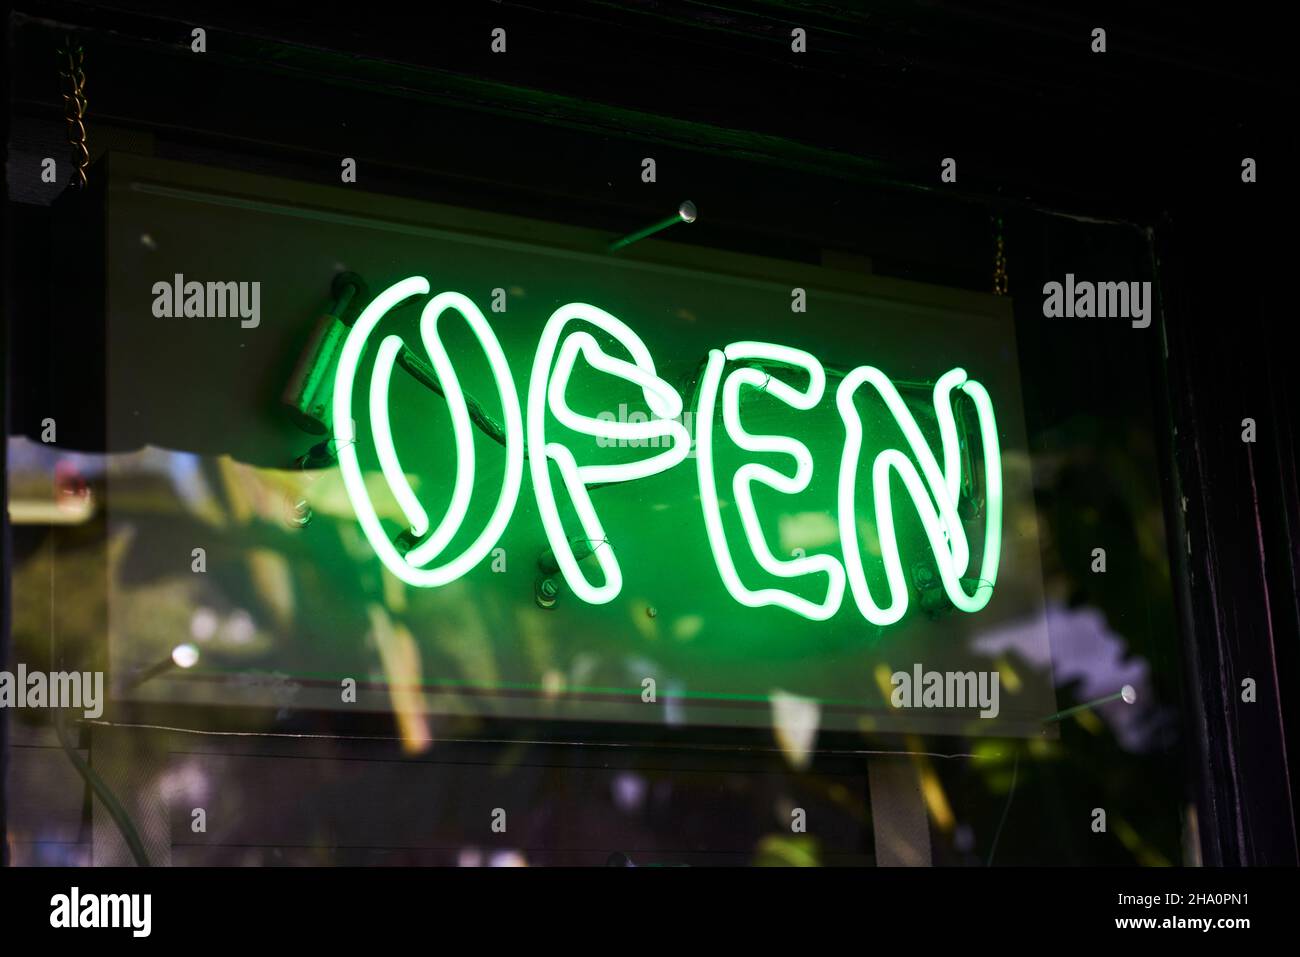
1011,793
123,820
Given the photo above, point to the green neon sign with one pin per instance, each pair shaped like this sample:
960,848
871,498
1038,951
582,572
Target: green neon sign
932,486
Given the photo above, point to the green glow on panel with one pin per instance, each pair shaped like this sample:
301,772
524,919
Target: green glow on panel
753,472
547,387
345,436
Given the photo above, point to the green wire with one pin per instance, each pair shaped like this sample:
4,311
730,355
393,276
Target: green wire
106,797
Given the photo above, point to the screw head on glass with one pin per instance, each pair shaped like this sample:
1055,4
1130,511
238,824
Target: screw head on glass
185,656
297,512
545,592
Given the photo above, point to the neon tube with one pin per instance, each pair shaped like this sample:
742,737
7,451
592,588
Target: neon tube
409,567
664,403
382,431
934,497
753,472
933,487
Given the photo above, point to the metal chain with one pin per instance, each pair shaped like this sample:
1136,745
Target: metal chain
74,107
999,262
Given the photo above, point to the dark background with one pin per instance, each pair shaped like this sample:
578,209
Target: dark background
1125,164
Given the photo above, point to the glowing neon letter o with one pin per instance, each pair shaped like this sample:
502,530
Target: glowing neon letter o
354,346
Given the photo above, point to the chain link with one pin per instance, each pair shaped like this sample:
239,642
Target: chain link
999,261
74,107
